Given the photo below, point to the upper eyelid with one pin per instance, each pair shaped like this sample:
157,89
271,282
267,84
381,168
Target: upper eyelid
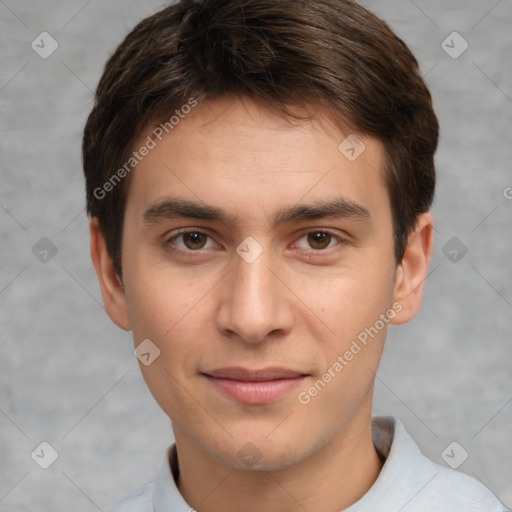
329,232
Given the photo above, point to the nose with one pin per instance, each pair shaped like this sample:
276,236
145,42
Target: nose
255,305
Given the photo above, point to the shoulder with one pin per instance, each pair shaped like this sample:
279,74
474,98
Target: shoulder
140,501
414,483
456,491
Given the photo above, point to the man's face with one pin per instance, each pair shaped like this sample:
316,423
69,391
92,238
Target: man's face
286,259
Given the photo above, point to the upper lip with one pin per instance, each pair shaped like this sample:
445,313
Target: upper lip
245,374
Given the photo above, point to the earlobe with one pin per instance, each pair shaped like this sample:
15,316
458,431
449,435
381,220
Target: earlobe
112,291
412,270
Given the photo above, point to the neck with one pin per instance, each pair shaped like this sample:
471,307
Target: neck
332,479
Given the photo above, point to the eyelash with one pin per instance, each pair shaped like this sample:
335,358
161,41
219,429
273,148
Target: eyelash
312,252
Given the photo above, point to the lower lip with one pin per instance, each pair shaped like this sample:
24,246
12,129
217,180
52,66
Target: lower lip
255,393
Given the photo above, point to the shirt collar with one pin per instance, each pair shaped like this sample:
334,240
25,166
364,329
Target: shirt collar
166,495
406,471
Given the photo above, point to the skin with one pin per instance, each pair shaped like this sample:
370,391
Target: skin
299,305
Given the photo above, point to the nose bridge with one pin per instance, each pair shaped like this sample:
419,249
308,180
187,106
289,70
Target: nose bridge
254,281
254,303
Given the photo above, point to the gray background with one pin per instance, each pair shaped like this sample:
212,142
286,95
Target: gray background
68,376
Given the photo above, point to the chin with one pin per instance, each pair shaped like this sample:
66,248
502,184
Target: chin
256,453
268,462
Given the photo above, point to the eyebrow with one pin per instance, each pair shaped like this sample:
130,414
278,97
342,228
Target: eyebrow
174,207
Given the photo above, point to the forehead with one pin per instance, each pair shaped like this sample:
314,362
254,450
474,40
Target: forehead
243,156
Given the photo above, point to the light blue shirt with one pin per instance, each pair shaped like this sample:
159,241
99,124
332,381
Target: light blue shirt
408,482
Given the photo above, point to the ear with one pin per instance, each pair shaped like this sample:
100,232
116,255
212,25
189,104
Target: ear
412,270
112,291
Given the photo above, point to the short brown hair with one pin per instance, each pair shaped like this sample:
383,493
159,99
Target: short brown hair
332,54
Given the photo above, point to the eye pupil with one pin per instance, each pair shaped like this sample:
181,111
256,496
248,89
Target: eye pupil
319,240
194,240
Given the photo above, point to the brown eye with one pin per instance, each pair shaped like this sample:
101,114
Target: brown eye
194,240
319,240
189,241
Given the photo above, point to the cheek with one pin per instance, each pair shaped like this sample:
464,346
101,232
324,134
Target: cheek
173,310
162,297
173,318
349,301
